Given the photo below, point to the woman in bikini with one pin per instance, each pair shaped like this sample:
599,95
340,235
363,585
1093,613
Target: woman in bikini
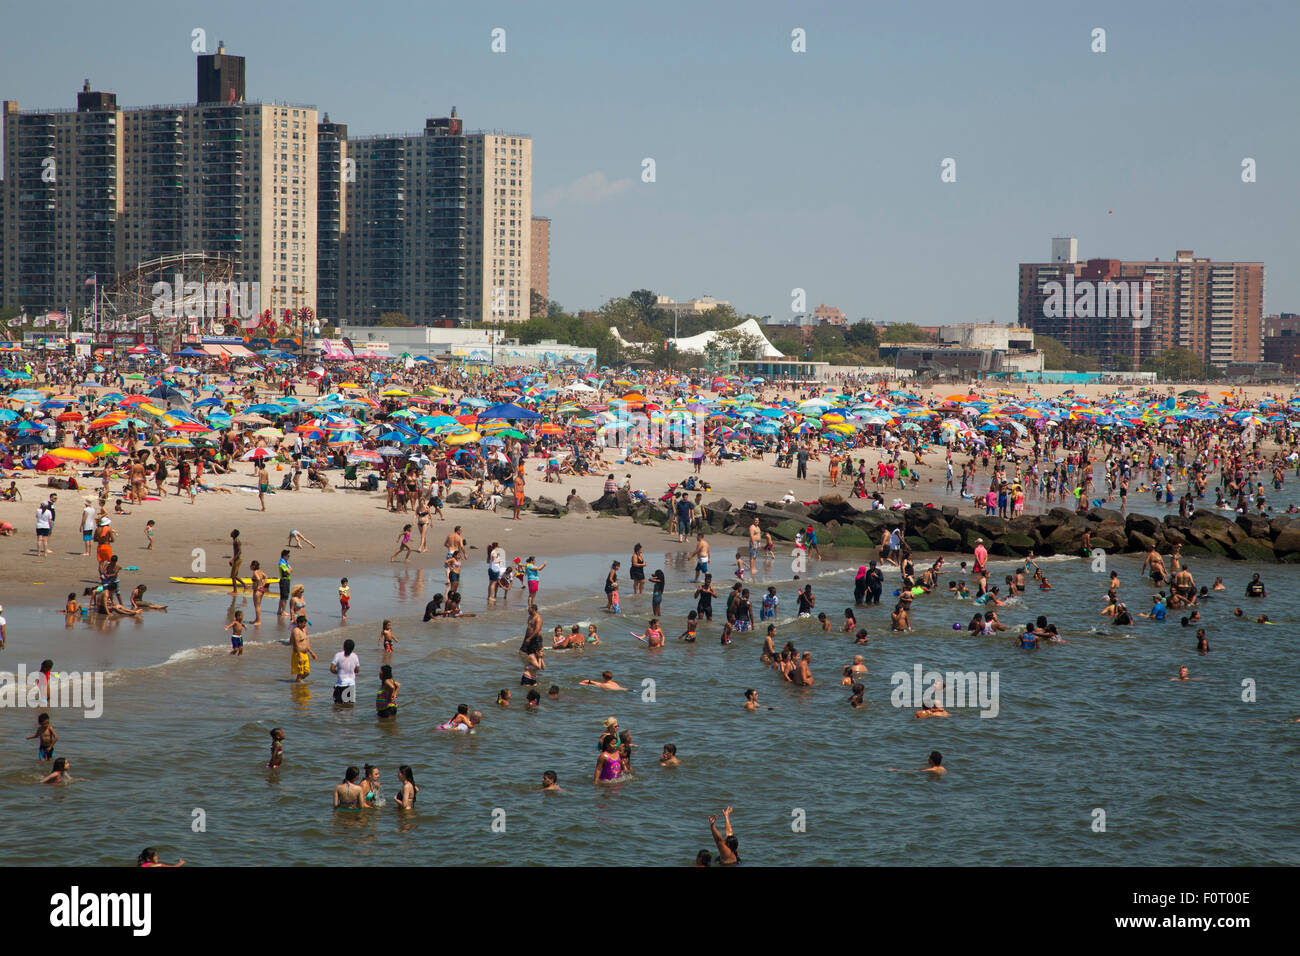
423,518
298,602
370,787
347,795
407,790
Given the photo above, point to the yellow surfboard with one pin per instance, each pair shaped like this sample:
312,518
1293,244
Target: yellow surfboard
220,582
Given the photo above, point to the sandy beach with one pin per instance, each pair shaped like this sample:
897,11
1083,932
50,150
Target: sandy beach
355,524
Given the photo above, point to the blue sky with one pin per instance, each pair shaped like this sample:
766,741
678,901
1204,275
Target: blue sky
777,170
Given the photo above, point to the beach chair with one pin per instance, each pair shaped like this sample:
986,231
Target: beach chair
350,477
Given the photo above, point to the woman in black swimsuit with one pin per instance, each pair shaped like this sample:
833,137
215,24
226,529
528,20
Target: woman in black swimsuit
611,581
406,788
637,572
704,596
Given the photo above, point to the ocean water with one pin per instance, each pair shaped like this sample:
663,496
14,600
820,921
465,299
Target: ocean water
1186,773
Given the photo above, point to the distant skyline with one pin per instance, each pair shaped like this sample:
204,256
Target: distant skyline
778,170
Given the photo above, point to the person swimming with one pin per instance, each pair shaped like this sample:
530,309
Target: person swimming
464,719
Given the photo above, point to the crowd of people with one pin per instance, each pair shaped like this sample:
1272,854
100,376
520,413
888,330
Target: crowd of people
1025,460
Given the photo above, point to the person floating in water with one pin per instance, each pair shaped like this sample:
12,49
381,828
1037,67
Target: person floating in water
935,766
606,682
149,857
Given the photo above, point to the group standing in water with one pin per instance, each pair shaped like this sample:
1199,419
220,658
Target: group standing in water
742,611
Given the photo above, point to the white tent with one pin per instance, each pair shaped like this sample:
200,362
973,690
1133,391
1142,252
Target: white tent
697,343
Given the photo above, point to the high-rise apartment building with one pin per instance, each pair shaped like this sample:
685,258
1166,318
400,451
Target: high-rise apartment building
540,274
221,77
332,168
91,193
500,226
1112,307
403,242
438,227
62,199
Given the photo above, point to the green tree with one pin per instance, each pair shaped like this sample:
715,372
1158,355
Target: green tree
394,319
643,301
862,334
719,348
536,303
905,332
624,315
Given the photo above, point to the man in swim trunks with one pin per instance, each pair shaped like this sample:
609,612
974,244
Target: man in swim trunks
300,650
455,542
755,540
701,554
1156,565
236,559
532,647
263,484
285,571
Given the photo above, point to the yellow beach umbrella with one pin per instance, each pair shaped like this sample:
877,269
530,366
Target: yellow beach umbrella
73,454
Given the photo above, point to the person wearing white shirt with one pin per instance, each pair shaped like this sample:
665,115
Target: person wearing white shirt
345,666
88,525
496,568
44,525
